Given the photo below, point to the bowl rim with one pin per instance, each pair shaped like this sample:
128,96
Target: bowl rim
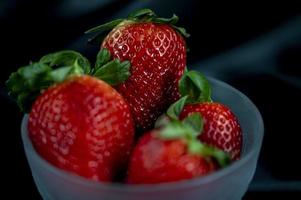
120,187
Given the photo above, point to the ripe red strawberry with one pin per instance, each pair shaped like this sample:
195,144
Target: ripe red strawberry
221,127
82,125
78,123
172,154
158,161
157,53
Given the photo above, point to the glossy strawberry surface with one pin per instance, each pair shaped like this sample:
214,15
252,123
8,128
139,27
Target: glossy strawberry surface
157,161
158,57
221,127
84,126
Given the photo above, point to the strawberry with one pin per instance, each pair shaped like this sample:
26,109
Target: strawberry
172,154
157,53
221,127
157,161
78,123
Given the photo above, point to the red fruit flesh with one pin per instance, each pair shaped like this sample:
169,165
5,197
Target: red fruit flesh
221,127
157,161
84,126
158,57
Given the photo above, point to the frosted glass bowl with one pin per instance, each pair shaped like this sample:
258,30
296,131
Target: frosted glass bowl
229,183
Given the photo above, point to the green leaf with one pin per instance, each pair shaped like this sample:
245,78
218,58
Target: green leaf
61,74
102,58
26,77
182,31
221,157
196,86
198,148
25,84
66,58
97,39
114,72
185,70
102,30
174,130
176,108
142,13
105,27
188,129
172,20
138,16
162,121
148,15
195,122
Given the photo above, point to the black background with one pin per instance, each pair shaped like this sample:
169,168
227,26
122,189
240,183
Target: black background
252,45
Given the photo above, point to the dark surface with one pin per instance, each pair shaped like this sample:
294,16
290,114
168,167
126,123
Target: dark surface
255,47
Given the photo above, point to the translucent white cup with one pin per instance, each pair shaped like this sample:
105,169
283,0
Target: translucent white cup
229,183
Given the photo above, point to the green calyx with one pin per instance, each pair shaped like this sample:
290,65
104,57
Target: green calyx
111,71
176,108
195,85
198,148
27,82
138,16
194,88
188,130
66,58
